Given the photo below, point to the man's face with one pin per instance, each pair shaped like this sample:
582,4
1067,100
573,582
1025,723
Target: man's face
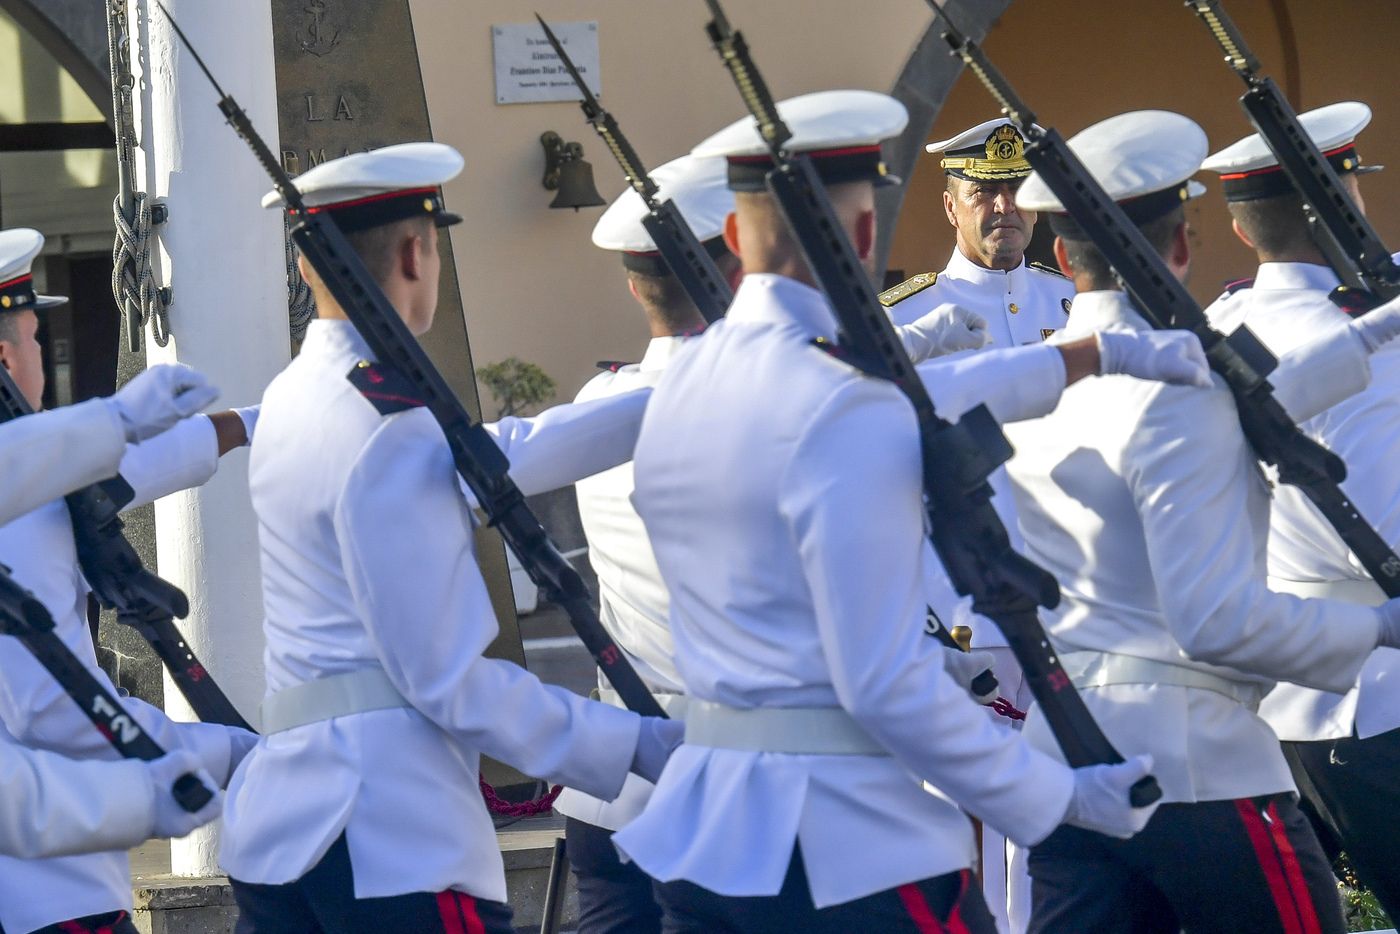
21,355
992,232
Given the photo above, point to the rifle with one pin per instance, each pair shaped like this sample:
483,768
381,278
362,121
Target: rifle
689,262
25,618
1163,301
479,461
1351,245
120,581
957,458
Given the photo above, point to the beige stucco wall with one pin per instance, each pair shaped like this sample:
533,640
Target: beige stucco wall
533,285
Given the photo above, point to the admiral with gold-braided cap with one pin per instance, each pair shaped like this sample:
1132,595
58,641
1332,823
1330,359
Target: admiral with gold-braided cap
994,151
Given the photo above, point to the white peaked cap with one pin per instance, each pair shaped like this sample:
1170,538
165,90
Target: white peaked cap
1329,127
1131,155
698,188
1249,170
362,189
842,130
18,248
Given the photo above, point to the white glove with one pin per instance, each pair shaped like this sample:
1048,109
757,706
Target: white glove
171,820
1100,800
1379,325
947,329
1166,356
240,743
249,415
655,743
965,667
158,398
1390,624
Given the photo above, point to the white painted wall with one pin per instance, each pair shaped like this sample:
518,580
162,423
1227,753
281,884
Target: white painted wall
222,254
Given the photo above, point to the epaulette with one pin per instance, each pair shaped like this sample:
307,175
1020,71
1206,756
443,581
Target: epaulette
387,389
612,366
1239,285
911,286
1048,270
1355,302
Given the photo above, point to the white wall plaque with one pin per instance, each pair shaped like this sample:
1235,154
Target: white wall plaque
528,71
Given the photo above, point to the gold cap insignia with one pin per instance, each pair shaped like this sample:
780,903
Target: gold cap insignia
1005,144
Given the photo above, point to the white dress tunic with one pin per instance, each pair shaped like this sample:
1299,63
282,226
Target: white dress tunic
368,563
1287,306
39,548
633,603
48,455
1145,503
785,516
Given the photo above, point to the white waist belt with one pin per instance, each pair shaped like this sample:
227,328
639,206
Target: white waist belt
812,731
327,698
1367,593
1100,669
675,705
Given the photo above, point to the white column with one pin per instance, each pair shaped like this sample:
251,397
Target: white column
222,255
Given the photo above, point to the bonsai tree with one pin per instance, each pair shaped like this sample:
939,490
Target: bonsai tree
516,385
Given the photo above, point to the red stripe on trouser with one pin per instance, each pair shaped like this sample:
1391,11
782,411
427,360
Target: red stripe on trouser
458,913
1293,871
1275,874
919,910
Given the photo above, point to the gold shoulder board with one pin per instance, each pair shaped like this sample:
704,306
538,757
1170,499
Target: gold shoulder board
1050,269
910,286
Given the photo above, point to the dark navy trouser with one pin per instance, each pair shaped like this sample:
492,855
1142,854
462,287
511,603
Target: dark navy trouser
613,897
947,904
323,902
1247,866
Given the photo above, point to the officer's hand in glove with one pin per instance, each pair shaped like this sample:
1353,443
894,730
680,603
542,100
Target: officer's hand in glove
966,668
171,820
1100,800
655,743
947,329
1165,356
1378,326
158,398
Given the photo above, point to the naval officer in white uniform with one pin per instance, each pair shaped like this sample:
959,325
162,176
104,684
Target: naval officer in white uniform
1348,744
51,805
1024,303
90,891
1149,508
616,897
360,809
784,515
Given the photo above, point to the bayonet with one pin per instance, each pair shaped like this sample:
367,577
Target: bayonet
686,257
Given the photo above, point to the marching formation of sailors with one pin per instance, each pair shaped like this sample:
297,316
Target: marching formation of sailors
755,513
